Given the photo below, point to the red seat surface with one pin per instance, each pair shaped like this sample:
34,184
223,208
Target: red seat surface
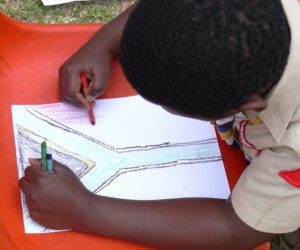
30,56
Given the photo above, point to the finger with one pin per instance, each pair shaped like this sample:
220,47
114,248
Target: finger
70,86
60,168
89,76
33,172
62,85
24,185
98,85
83,101
74,86
35,162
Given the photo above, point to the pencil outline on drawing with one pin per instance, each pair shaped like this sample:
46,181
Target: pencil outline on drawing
88,165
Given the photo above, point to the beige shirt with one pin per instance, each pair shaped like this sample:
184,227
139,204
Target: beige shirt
262,198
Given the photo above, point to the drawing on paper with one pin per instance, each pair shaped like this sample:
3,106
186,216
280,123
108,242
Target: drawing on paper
97,161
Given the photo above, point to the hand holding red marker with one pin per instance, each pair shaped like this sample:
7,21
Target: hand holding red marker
85,86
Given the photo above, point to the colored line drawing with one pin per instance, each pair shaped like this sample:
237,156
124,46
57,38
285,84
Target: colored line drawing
99,167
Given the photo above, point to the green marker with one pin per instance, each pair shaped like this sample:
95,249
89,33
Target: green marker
44,155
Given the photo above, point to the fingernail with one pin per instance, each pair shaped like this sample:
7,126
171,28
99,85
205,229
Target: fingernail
90,98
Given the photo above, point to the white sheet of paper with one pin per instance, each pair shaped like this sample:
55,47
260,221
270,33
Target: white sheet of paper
56,2
136,150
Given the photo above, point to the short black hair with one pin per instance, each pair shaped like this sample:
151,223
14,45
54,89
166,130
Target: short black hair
204,57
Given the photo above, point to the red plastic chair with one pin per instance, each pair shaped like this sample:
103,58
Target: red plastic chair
30,55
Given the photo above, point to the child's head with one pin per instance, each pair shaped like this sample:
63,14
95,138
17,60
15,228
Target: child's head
204,57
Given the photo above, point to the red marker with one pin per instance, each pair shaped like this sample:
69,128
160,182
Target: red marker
85,86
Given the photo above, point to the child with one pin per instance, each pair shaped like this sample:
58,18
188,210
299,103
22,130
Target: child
209,60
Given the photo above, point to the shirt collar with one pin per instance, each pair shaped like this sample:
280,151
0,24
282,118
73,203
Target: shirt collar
284,97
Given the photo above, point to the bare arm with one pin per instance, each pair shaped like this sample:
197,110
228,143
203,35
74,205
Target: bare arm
95,58
110,35
198,223
172,224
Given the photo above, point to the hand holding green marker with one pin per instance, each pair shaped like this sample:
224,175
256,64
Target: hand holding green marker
47,162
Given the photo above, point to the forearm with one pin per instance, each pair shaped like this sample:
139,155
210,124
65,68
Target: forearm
198,223
109,36
164,224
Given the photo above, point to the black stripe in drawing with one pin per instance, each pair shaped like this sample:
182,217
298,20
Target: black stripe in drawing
28,145
57,124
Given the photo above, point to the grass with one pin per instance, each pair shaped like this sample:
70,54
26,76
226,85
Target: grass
78,12
275,245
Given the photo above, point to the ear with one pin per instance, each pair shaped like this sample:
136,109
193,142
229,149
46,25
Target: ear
255,102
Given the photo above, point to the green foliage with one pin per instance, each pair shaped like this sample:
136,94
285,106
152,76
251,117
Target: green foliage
275,244
78,12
